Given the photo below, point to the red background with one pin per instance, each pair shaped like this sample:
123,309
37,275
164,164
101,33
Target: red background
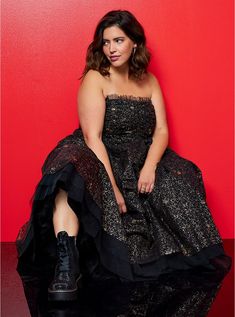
44,44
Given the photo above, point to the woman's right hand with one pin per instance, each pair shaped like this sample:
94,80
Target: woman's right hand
120,200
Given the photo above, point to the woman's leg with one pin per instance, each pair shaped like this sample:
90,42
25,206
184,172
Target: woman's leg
64,218
67,271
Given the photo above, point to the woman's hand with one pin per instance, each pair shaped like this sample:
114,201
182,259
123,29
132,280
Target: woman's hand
146,179
120,200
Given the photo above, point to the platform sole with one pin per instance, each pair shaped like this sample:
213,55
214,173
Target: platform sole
65,295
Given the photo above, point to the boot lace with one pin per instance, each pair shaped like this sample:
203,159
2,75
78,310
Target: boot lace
63,264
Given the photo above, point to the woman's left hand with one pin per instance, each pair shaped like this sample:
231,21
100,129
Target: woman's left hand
146,180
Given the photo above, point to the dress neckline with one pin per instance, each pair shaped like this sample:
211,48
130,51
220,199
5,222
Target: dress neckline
127,97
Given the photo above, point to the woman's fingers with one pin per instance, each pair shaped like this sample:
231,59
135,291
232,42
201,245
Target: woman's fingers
148,188
142,187
145,188
151,188
120,200
122,208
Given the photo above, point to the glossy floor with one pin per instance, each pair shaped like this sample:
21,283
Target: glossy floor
175,295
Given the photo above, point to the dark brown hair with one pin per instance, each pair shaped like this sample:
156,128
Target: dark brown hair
126,21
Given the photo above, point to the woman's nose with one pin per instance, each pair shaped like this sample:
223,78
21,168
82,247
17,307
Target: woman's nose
112,47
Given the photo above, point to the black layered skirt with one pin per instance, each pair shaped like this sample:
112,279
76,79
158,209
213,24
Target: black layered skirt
170,229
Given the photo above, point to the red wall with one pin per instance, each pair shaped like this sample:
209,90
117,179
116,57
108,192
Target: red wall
44,44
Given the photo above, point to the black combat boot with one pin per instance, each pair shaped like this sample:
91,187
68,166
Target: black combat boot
67,272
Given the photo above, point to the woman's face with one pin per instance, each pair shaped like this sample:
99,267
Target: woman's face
117,46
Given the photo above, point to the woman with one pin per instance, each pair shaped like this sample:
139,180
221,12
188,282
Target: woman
113,199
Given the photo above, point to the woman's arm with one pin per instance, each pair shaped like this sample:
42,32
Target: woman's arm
91,112
159,142
160,135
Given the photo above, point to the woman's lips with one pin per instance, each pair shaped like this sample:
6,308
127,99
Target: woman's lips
114,58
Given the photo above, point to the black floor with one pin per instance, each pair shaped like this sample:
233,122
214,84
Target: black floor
179,295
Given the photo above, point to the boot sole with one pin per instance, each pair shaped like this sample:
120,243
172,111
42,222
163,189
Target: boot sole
68,295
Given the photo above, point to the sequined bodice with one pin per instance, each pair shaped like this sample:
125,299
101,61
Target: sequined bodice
127,134
127,120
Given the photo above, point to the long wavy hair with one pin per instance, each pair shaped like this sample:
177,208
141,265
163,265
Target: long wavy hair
125,20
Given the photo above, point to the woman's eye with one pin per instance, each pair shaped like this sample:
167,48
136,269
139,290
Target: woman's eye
119,40
106,43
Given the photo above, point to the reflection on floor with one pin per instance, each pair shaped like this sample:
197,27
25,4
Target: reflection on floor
188,294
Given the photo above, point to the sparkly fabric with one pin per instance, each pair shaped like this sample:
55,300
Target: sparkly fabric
173,220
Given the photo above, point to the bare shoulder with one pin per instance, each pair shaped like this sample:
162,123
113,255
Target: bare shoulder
93,77
153,81
91,86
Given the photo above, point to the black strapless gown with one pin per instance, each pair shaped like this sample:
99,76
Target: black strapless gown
167,230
